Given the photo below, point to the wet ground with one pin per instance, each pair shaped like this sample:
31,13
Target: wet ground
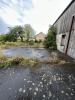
38,53
48,82
45,82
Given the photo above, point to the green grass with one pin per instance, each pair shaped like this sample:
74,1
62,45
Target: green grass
6,62
4,45
20,61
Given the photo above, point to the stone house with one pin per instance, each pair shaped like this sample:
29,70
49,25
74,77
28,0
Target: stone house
40,36
65,25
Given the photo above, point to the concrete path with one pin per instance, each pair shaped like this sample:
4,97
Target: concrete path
48,82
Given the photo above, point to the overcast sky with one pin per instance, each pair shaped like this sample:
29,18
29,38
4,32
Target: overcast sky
38,13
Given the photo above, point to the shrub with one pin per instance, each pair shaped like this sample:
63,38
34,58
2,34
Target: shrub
40,41
16,60
36,41
3,58
31,42
50,40
8,37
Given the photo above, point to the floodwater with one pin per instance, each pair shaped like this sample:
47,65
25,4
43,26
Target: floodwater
48,82
38,53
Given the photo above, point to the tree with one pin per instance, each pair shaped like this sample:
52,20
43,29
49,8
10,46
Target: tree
20,32
13,34
17,31
2,37
50,40
29,31
8,37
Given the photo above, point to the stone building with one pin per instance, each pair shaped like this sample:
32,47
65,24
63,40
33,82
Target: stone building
65,25
40,36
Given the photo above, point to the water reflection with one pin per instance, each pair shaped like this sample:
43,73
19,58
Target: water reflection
29,52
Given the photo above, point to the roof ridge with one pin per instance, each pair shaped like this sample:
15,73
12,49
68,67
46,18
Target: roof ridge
64,11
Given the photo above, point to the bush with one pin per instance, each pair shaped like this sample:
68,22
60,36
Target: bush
16,60
8,37
7,62
39,41
3,58
36,41
2,38
50,40
31,42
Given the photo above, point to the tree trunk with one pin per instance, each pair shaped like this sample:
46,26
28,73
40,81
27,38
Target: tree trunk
21,39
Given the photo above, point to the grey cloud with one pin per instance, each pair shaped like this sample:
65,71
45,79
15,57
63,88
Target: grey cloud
20,7
3,26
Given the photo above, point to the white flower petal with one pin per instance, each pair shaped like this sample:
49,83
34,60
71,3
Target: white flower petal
20,90
44,96
35,93
24,91
36,89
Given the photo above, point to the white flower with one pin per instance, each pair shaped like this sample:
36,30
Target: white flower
36,89
44,75
29,81
45,80
59,78
40,82
50,82
69,76
54,78
50,94
30,89
44,96
72,94
62,92
24,79
42,86
38,85
57,74
47,84
35,93
20,90
33,84
13,72
24,91
42,78
67,94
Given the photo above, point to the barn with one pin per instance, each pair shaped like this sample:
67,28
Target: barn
65,25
